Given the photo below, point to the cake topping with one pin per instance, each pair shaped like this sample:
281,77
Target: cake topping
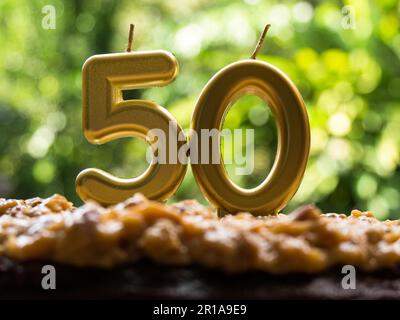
187,233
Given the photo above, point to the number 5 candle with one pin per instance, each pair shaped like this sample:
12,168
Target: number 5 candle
106,117
272,85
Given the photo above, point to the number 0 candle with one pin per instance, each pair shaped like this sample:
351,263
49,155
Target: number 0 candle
273,86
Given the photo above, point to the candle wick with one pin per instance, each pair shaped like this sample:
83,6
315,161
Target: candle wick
260,42
130,37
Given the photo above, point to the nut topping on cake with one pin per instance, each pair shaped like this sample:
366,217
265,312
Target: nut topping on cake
186,233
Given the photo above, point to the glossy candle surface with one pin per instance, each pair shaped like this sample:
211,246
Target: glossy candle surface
273,86
106,117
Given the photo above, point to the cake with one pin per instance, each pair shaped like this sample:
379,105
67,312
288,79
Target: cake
144,249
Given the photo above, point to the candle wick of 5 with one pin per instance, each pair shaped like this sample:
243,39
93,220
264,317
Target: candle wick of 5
130,37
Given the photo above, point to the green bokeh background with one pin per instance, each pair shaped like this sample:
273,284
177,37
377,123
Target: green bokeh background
349,78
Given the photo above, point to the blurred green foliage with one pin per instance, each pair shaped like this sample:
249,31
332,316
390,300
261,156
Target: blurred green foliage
349,78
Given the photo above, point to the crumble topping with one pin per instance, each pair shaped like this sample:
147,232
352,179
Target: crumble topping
187,233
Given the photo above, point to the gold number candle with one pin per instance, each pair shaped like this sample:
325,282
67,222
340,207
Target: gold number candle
106,117
273,86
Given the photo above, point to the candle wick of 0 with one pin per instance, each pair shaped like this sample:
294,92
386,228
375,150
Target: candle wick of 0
130,37
260,42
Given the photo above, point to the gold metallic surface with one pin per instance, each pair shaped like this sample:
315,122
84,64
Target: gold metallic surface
273,86
106,117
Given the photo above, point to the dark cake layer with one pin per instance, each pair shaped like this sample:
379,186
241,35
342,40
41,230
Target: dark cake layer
147,280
